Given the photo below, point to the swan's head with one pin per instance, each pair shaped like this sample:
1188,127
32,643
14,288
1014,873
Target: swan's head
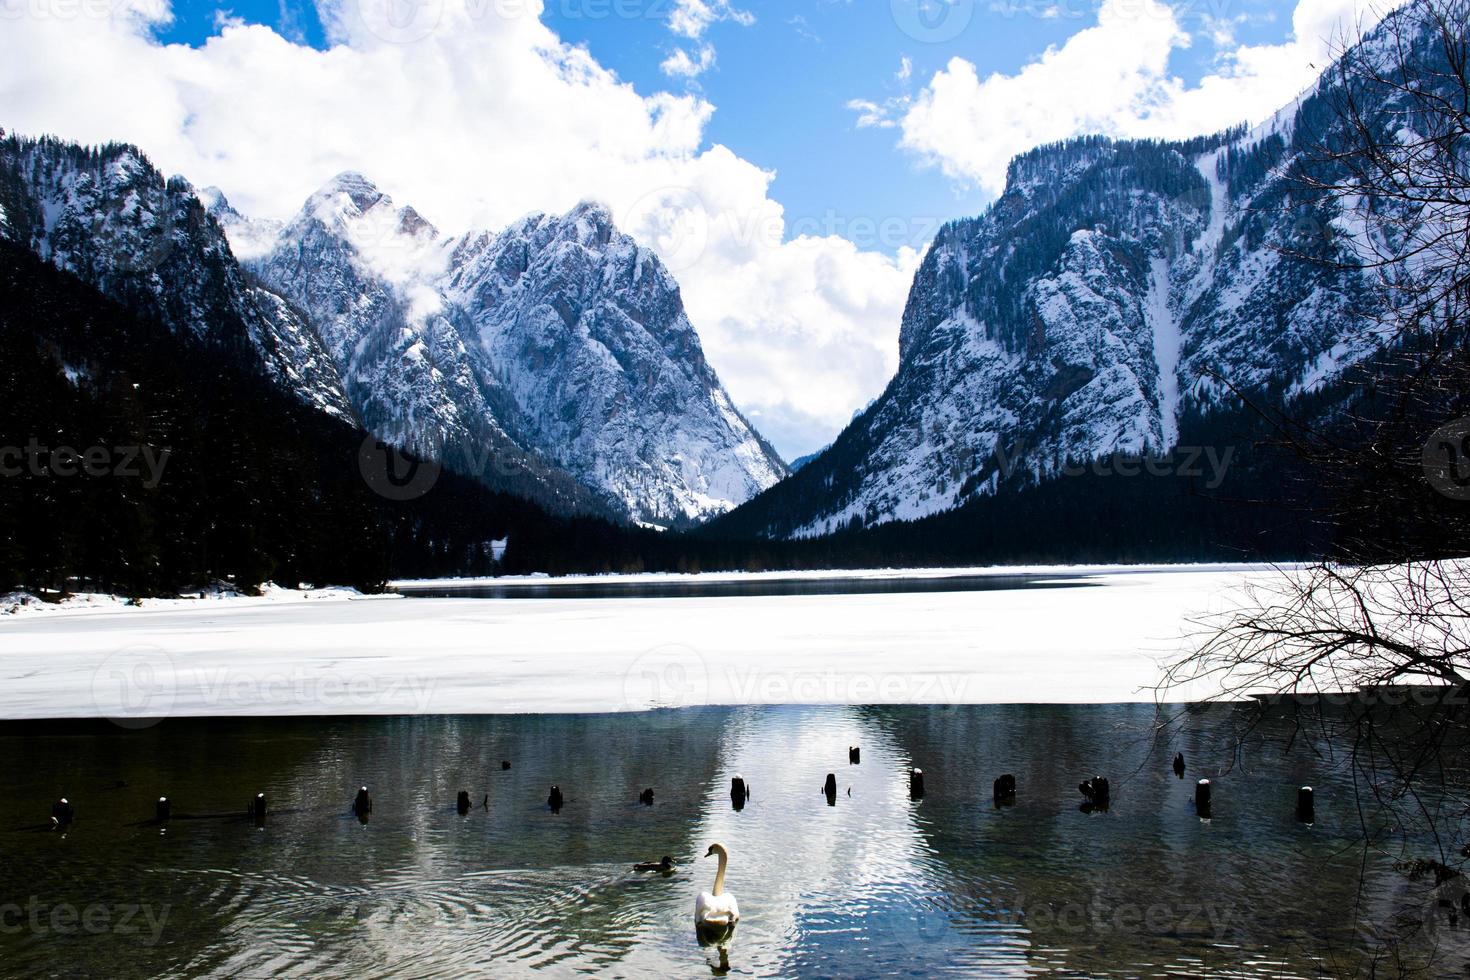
716,849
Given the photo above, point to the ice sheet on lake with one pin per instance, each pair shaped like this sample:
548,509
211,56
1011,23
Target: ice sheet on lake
1101,642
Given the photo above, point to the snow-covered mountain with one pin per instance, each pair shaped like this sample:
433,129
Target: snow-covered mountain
553,360
558,340
107,216
1114,290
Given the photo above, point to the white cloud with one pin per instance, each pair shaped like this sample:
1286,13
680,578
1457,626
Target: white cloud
1111,78
477,114
1221,31
873,115
691,18
681,64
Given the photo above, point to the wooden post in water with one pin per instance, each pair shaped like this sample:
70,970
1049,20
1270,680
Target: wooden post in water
462,803
854,755
1005,788
162,810
916,784
363,804
555,800
1097,792
256,810
1179,764
504,765
62,813
646,797
1202,798
739,792
829,789
1306,806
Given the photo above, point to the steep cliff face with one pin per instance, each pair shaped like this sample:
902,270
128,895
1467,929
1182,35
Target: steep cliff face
351,261
1115,288
107,216
586,333
557,346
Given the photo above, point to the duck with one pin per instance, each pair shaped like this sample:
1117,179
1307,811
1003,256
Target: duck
717,909
664,865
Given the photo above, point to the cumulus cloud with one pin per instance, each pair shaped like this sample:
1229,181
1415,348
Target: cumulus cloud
476,114
1111,78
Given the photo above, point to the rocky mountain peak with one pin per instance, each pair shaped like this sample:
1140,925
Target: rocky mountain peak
557,338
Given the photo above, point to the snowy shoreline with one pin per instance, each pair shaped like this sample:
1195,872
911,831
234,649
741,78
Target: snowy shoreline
14,604
321,653
806,574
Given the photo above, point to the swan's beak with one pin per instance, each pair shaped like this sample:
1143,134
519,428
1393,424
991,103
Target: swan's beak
710,852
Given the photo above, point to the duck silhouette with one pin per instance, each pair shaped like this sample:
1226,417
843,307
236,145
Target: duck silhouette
664,865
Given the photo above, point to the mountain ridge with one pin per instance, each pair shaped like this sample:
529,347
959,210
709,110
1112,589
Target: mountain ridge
1115,287
559,335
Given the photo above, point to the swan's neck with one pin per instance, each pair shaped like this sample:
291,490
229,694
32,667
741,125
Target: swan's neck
720,872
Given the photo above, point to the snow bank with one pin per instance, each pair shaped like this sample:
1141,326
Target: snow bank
1101,641
25,603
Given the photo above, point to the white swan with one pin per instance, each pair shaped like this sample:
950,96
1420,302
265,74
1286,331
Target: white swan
717,909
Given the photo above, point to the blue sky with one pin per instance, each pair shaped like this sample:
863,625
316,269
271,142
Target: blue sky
782,84
789,170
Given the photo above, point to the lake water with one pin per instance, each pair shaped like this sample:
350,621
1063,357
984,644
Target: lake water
877,884
713,586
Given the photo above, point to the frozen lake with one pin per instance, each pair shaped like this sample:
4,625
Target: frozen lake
1067,635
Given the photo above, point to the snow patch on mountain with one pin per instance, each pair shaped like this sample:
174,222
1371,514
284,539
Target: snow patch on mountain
1164,326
